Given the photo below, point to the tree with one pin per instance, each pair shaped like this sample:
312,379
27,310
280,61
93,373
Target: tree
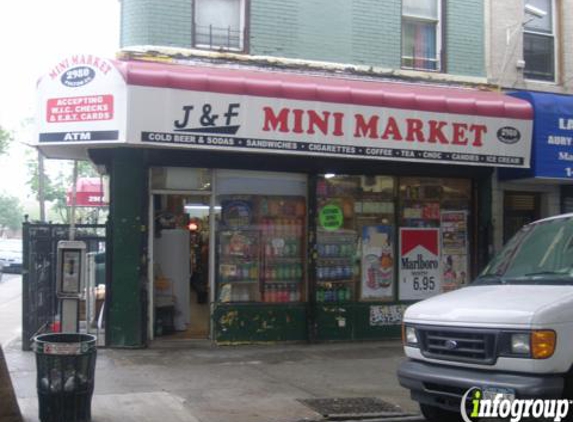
11,213
5,139
51,189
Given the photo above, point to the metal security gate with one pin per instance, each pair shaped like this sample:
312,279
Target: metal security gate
40,241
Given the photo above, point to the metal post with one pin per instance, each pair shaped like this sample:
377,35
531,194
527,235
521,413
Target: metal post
74,192
41,189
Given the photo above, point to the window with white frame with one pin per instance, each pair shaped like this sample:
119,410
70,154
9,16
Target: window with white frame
539,43
421,34
219,24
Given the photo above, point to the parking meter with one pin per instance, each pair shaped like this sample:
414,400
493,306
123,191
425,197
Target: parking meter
70,282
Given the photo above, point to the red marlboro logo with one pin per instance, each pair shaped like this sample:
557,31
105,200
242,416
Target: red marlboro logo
419,237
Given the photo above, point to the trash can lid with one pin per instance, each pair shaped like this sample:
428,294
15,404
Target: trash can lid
64,343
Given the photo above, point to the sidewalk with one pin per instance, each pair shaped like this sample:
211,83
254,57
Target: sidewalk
195,381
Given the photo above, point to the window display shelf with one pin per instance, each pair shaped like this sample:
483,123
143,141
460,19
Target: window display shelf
238,281
288,259
336,258
285,281
236,259
412,200
336,281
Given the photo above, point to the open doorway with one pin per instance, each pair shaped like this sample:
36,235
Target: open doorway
181,266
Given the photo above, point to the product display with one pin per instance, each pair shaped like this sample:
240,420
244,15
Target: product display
352,210
239,265
282,227
441,206
262,249
335,272
358,222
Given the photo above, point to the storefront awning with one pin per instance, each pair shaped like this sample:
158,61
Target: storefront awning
87,102
552,148
89,193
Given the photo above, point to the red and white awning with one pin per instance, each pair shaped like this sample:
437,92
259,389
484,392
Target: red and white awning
88,102
89,193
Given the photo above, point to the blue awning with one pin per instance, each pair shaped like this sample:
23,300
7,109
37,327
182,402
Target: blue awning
552,146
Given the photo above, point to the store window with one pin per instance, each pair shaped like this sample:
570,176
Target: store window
539,43
261,237
219,24
355,238
433,238
383,238
421,34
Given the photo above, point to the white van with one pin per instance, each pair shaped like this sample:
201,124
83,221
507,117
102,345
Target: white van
508,334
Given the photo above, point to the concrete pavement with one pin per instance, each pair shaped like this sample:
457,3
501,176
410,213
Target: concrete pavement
196,381
10,307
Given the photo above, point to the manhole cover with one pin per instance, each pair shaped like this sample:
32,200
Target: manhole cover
357,406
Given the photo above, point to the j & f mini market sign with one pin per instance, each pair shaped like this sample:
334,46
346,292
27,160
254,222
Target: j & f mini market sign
305,127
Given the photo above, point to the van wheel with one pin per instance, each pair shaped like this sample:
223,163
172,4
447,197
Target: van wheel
437,414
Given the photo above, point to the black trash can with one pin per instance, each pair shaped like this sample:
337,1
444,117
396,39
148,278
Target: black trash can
65,366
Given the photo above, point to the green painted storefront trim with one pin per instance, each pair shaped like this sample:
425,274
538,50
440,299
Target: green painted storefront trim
259,323
356,321
263,323
125,317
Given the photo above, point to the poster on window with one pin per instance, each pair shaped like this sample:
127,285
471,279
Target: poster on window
454,232
419,265
454,249
377,263
455,271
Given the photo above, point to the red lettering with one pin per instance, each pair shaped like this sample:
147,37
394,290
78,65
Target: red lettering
320,122
338,119
392,130
105,68
60,67
298,115
415,130
479,131
436,134
363,129
459,137
272,121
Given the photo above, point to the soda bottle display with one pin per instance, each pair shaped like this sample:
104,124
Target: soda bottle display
327,294
292,293
320,294
341,293
346,292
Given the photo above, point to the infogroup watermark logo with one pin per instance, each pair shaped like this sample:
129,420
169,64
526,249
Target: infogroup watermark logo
503,407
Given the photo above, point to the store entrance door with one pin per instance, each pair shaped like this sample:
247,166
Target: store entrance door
520,208
181,266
